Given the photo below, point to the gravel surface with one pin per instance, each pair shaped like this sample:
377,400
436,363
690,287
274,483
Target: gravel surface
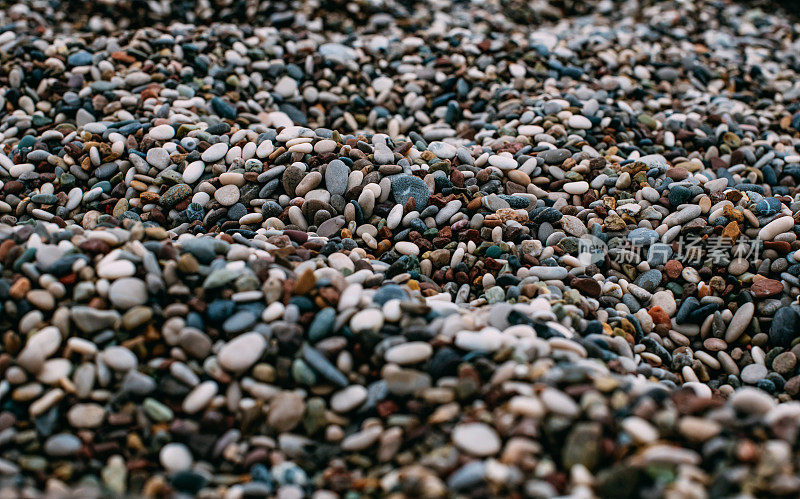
332,249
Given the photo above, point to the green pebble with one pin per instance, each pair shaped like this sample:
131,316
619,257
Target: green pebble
495,294
27,141
493,252
157,411
648,121
676,289
38,120
67,180
303,374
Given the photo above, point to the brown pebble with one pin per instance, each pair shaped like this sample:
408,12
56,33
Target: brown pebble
766,287
588,286
305,283
784,363
20,288
673,268
715,344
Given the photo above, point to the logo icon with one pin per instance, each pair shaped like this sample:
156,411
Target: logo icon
591,250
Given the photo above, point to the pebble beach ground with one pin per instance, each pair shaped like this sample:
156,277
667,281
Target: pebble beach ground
333,249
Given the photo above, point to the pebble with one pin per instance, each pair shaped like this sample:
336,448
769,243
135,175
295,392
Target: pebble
86,415
336,177
409,353
442,149
776,227
477,439
349,399
214,153
753,373
127,293
62,445
580,122
162,132
549,273
367,320
576,187
175,457
199,397
739,322
242,352
119,358
193,172
227,195
407,187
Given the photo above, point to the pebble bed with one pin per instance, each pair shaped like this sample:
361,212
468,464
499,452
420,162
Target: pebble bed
338,252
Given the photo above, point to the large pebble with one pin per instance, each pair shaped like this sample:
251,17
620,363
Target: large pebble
242,352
